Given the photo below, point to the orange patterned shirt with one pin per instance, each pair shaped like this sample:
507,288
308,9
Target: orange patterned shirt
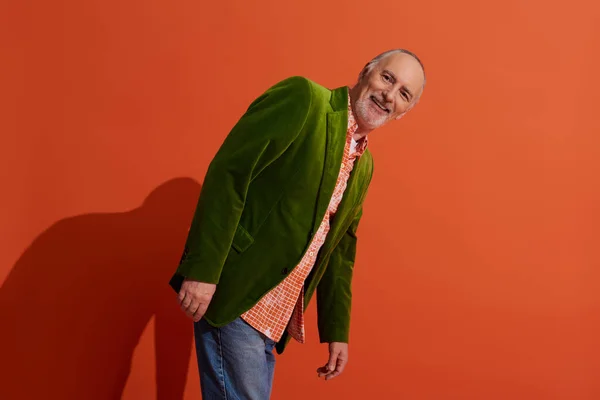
272,313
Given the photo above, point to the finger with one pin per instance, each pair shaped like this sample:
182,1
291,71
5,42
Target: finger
332,375
324,371
333,356
191,310
185,309
338,369
181,296
186,302
200,311
191,307
341,363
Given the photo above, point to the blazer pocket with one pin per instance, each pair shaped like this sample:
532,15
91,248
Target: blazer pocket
241,239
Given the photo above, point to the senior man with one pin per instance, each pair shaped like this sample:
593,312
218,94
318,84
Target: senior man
277,219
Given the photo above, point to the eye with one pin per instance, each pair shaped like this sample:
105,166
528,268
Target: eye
404,95
387,78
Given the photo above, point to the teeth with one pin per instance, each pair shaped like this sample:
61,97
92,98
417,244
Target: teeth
379,105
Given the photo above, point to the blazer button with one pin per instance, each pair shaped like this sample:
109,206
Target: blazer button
284,271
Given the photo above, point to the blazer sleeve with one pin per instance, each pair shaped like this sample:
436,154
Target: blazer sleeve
334,291
334,294
270,125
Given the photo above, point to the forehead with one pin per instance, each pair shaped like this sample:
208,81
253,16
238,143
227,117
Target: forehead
405,68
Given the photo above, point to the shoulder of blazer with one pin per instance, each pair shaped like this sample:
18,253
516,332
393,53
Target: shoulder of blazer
297,87
320,95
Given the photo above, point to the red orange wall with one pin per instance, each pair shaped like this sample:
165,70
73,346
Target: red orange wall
478,266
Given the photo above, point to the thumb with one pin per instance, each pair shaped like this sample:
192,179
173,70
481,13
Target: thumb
333,355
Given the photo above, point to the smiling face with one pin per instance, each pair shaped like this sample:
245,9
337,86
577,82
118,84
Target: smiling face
386,90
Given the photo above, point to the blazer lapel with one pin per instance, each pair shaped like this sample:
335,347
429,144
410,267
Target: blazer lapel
352,196
337,128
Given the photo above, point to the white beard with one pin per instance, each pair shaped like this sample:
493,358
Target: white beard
367,115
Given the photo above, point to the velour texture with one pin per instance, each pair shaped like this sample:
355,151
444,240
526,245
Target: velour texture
263,197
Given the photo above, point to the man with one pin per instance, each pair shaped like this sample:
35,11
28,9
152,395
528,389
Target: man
277,219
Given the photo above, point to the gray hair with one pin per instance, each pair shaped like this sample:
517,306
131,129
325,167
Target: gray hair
371,64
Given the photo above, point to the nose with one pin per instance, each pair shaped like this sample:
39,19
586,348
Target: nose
387,96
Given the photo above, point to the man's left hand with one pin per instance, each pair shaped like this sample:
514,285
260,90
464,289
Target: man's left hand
338,357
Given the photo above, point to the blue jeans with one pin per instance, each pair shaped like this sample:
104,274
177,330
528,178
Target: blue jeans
236,362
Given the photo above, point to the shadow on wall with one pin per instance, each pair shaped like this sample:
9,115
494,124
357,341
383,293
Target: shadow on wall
77,301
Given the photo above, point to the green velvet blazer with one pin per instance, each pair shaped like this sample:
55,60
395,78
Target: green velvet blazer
263,198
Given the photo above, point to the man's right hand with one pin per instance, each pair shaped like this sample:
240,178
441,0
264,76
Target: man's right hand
194,298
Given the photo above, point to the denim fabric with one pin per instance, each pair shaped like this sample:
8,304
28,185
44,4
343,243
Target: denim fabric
236,362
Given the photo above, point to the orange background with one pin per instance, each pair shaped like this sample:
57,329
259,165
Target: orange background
478,266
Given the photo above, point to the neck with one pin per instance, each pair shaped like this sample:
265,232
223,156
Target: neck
359,134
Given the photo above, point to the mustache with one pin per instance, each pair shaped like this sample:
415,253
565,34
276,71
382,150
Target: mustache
381,102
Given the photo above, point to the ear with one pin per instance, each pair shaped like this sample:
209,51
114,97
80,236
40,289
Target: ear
365,71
